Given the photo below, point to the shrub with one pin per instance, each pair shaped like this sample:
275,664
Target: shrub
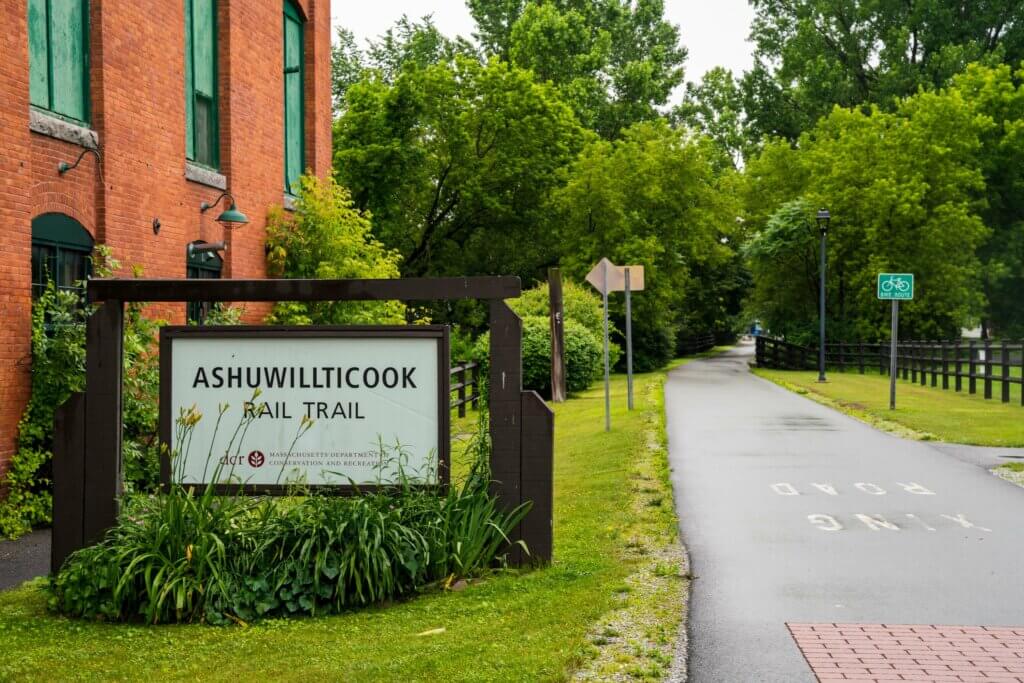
327,238
58,370
584,355
197,557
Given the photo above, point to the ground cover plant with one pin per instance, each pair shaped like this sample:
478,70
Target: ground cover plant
923,412
613,519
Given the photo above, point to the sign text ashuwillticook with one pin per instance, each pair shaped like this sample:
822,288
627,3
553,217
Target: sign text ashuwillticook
358,386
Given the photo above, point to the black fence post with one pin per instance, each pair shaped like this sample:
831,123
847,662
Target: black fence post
476,387
958,364
972,368
1005,361
462,389
988,368
945,366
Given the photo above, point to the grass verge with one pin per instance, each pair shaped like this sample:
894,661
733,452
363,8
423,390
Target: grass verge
923,413
610,603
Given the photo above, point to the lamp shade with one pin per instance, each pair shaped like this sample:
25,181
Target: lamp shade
233,215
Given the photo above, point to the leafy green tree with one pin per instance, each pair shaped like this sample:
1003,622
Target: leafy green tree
614,61
347,64
327,238
813,54
456,162
652,199
905,194
714,107
997,94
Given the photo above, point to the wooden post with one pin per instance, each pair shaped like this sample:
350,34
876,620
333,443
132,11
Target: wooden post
945,366
475,391
1005,359
558,389
860,355
68,480
103,367
958,366
538,456
505,387
462,389
914,362
972,368
988,368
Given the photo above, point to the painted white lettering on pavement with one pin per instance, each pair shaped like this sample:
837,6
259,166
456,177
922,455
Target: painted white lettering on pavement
962,521
916,489
826,488
876,522
784,489
870,488
923,523
825,522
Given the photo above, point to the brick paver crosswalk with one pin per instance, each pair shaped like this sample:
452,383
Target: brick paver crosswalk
897,652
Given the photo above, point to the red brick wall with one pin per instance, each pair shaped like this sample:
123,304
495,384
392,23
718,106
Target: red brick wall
138,110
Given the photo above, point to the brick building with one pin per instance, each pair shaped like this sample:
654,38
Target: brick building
182,100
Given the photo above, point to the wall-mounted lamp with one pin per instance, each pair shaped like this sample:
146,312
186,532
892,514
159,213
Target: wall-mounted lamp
204,248
63,167
232,215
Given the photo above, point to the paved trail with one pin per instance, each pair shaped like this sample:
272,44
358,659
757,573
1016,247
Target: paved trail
794,513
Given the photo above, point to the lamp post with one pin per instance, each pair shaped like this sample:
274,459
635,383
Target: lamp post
823,220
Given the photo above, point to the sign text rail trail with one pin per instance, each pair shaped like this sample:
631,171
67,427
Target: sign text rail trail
354,388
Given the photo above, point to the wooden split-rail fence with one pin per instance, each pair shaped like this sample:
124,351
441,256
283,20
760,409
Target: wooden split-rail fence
465,384
960,365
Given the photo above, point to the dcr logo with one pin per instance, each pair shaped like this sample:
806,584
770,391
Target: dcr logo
256,459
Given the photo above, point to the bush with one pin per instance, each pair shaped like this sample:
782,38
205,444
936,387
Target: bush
584,355
327,238
58,370
197,557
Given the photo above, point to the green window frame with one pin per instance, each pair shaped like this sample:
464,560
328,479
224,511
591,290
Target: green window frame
61,252
202,127
201,266
294,96
58,47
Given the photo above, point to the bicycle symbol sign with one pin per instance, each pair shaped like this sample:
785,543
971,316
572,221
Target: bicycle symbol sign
898,286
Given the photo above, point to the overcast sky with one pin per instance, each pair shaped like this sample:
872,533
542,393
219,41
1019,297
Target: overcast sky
715,32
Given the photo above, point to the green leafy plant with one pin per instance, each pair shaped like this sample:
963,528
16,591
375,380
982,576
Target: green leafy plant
190,555
327,238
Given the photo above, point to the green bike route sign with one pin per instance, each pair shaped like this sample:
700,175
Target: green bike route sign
895,286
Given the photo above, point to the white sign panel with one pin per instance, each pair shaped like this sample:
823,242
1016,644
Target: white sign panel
314,404
608,277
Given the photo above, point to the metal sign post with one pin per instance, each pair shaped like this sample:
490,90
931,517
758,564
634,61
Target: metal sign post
607,380
893,352
895,287
629,344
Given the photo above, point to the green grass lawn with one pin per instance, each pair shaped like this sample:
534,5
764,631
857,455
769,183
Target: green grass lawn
615,544
934,413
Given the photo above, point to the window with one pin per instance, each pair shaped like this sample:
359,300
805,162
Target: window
58,47
294,156
202,266
202,142
61,250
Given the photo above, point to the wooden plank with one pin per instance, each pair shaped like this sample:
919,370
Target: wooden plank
103,367
557,314
68,480
538,457
505,386
398,289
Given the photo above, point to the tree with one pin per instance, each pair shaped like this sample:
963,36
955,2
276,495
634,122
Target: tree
813,54
651,198
997,94
347,64
456,162
714,107
614,61
905,194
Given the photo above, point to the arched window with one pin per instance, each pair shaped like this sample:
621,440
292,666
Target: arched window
61,251
201,265
294,109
